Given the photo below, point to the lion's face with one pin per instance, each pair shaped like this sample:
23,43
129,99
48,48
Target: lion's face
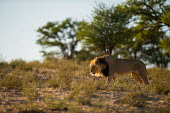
96,67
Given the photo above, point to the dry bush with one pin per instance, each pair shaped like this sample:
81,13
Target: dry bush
28,107
20,64
82,91
34,64
51,64
30,91
4,69
66,73
137,99
13,80
159,80
17,79
56,105
60,64
61,80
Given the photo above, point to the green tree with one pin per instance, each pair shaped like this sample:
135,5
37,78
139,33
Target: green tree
152,22
165,44
155,12
107,29
151,50
60,35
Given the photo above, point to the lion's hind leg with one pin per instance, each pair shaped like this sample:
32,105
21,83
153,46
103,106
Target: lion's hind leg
136,77
144,77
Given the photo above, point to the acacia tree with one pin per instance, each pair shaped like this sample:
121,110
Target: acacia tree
107,29
151,49
60,35
152,22
155,12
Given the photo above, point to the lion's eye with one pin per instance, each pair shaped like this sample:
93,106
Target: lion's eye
93,67
97,62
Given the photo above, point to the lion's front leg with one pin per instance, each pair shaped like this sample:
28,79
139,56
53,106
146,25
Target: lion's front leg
109,79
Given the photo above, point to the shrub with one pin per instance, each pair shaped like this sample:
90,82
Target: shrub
20,64
100,84
52,64
17,79
54,104
159,80
137,99
28,107
123,83
35,64
84,100
75,109
4,69
161,88
30,91
12,81
61,80
83,91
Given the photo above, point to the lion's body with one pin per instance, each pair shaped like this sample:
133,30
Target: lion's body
111,68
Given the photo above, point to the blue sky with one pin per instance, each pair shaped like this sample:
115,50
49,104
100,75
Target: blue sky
19,20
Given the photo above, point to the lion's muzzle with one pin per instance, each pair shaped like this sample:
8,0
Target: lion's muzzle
92,70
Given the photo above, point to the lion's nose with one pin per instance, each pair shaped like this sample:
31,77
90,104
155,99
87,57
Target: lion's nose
92,69
92,72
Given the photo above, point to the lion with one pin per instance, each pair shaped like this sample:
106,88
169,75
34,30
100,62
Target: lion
110,68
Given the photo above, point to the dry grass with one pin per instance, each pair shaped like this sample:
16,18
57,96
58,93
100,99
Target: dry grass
65,86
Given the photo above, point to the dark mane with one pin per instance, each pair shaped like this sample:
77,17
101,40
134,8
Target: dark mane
105,71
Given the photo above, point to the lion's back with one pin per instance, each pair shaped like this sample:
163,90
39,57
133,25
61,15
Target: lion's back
124,65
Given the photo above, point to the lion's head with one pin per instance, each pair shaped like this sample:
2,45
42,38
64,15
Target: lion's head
99,67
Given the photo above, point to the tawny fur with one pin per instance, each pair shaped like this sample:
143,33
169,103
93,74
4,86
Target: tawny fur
112,68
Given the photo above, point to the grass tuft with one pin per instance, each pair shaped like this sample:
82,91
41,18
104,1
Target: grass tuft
137,99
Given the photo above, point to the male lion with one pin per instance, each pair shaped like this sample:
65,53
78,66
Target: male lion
111,68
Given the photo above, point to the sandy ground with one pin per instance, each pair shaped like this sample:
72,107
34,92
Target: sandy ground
10,100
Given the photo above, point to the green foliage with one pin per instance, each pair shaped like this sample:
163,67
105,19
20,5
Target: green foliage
152,22
106,30
152,11
151,47
165,44
166,19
